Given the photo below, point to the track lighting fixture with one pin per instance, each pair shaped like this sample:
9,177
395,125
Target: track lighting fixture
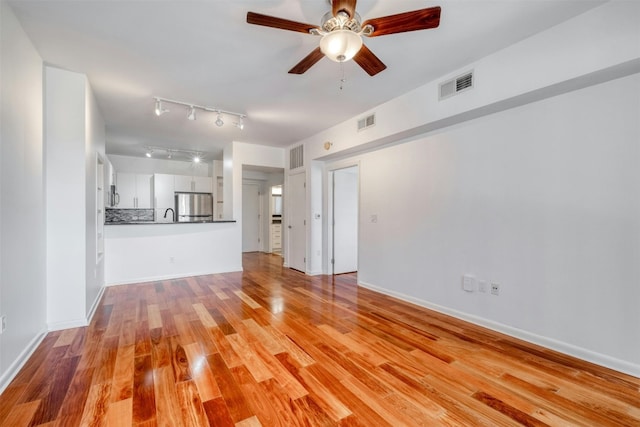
160,110
176,154
191,108
192,113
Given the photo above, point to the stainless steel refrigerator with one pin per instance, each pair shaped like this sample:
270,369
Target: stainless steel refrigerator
194,207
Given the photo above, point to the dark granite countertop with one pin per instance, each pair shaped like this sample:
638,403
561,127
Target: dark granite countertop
167,223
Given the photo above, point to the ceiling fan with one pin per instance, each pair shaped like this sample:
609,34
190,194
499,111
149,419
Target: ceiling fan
342,32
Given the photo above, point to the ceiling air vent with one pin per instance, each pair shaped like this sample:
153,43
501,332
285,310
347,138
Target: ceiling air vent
296,157
456,85
366,122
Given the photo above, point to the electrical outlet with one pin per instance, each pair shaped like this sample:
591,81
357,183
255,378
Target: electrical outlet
495,289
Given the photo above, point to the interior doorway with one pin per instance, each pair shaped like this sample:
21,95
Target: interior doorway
344,220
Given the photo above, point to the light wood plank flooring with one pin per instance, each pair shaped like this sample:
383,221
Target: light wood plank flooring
274,347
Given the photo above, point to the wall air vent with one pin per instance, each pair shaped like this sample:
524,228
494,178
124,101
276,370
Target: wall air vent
456,85
366,122
296,157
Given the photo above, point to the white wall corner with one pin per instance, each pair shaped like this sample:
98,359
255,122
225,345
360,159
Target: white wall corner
12,370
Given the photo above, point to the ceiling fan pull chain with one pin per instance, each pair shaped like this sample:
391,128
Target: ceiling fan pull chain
342,79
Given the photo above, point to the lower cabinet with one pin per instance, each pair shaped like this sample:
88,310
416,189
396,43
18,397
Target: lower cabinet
276,237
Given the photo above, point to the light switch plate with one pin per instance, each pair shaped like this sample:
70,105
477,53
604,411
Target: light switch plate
468,283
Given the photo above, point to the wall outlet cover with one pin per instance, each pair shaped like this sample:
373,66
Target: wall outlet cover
482,286
495,289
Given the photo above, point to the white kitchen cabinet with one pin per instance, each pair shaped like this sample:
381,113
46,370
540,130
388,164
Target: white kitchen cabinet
197,184
202,184
135,190
276,237
164,190
182,183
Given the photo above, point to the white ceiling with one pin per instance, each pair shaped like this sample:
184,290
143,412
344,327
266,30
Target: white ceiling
204,52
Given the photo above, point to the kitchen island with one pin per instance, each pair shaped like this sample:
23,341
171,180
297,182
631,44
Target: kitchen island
150,251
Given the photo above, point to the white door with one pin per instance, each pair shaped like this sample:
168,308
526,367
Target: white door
296,224
250,218
345,220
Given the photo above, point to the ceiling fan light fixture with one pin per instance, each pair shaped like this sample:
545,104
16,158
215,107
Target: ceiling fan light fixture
341,45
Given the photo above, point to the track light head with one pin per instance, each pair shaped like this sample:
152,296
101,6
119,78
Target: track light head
219,121
148,153
239,124
196,158
160,110
192,113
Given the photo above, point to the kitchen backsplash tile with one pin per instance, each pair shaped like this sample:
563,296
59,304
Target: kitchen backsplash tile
128,215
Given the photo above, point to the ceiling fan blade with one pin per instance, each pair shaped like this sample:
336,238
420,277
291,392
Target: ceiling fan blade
368,61
422,19
283,24
308,62
347,6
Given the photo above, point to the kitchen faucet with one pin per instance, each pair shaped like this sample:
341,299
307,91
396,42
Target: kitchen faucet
173,214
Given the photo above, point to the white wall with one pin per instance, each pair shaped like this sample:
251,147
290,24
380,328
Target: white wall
154,165
74,137
66,175
543,199
22,218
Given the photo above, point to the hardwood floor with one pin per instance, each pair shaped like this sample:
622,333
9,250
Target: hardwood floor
274,347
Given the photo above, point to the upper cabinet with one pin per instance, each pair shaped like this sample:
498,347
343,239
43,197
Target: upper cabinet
164,188
135,190
193,184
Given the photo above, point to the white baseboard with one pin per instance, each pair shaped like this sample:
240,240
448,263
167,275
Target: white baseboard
95,305
67,324
22,358
562,347
169,277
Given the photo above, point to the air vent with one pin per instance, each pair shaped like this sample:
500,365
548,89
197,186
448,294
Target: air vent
296,157
456,85
366,122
